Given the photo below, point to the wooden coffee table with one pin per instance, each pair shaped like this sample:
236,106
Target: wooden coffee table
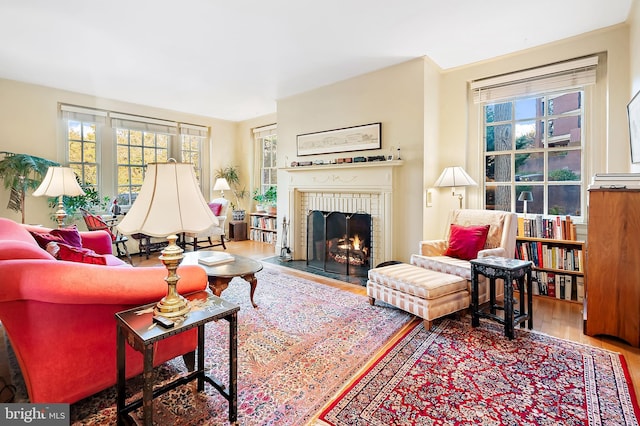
220,275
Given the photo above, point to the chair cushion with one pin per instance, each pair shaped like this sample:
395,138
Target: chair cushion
417,281
44,238
466,241
444,264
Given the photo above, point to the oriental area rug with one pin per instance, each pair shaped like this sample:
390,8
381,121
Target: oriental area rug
295,352
456,374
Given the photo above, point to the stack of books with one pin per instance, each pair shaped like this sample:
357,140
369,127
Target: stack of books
215,258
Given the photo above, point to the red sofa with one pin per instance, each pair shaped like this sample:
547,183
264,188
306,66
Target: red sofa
59,315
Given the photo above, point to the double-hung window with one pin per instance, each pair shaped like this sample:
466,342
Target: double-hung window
83,142
534,138
137,144
267,145
192,140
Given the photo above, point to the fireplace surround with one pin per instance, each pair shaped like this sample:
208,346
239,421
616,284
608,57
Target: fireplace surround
358,187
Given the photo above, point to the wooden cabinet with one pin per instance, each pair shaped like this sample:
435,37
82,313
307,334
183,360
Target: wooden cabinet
558,267
613,262
263,227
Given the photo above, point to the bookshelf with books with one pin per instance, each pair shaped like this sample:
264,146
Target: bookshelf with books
263,227
558,259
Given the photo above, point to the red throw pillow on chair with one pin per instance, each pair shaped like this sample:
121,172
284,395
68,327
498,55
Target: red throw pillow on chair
466,241
216,208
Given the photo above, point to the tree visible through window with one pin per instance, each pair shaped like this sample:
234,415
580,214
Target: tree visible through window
82,151
135,149
535,144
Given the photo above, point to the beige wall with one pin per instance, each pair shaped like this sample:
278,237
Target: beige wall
460,134
393,96
29,123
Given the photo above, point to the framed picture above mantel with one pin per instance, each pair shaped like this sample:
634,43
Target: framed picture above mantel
347,139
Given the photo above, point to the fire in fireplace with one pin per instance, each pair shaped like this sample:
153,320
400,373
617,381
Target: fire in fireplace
339,242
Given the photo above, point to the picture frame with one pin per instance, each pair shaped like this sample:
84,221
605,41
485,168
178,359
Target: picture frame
346,139
633,112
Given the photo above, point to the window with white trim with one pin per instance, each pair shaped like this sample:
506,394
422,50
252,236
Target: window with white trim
192,139
83,142
267,144
534,138
134,140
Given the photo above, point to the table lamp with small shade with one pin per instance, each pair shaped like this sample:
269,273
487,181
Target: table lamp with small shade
169,202
525,196
58,182
221,185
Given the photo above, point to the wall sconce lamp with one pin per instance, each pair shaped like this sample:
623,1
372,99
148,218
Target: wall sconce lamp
454,177
221,185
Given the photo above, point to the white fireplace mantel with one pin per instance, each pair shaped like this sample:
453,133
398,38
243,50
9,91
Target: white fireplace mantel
366,187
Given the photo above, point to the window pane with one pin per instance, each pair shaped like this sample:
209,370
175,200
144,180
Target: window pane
565,103
149,139
122,136
498,138
565,200
537,205
135,137
529,134
530,167
75,153
498,168
163,141
91,174
135,155
74,130
90,152
564,131
564,165
497,112
529,108
498,198
89,131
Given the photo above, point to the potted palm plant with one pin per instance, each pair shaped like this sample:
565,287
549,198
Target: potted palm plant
20,173
230,173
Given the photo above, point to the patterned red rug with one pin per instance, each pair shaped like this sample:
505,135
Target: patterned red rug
295,352
460,375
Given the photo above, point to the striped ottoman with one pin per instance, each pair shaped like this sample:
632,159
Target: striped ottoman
422,292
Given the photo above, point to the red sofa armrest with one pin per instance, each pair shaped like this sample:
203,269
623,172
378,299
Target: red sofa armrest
98,241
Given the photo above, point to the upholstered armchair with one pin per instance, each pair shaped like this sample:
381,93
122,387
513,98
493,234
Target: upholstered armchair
219,207
500,241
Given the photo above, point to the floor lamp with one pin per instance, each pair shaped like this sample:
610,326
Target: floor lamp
453,177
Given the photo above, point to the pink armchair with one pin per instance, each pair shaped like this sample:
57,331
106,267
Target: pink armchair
59,315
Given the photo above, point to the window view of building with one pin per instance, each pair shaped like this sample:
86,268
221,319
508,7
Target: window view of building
535,144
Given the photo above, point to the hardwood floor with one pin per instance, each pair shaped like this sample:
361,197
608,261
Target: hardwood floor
552,317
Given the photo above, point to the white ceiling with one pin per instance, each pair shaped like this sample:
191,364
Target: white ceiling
234,59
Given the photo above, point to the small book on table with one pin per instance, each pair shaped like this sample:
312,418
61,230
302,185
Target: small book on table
216,258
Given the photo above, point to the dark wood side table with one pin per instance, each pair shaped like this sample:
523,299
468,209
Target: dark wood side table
509,270
237,230
135,329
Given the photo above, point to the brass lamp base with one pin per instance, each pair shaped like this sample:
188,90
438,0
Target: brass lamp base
172,305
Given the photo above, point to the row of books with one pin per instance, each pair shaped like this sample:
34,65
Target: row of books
264,222
551,256
556,227
560,286
265,237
